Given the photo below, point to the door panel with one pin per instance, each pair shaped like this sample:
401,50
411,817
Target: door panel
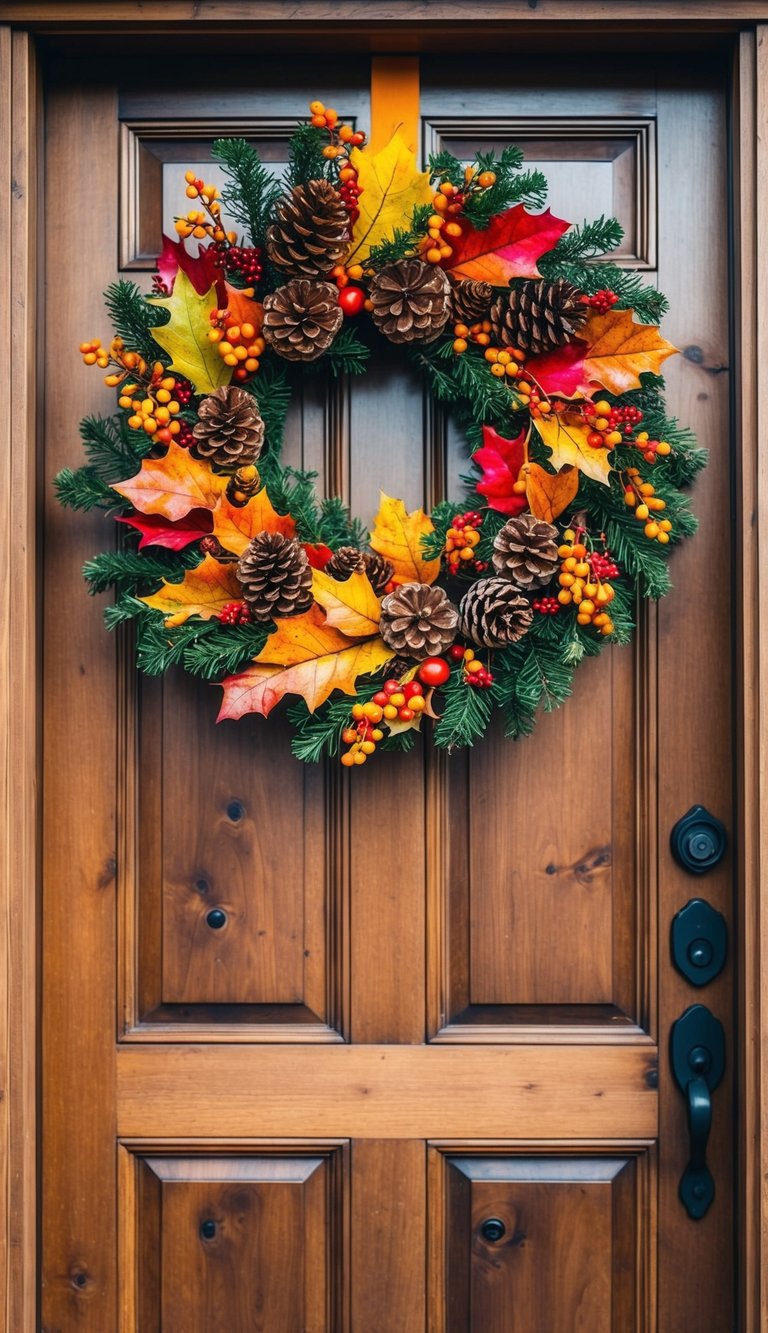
349,1022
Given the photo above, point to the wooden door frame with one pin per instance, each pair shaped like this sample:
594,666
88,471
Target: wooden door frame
401,25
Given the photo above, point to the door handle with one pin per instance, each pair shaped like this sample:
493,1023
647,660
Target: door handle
698,1064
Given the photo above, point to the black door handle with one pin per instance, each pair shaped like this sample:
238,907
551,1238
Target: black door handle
698,1063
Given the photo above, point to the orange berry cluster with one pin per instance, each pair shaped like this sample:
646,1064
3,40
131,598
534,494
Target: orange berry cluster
206,221
641,497
239,345
362,738
461,539
474,672
447,202
341,139
150,393
652,449
502,360
582,586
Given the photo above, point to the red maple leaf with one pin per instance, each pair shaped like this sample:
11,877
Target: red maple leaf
318,554
562,371
501,461
509,247
156,530
202,272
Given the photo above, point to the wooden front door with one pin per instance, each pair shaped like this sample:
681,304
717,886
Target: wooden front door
421,1079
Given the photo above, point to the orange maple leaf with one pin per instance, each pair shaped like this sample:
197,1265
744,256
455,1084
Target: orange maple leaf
619,350
172,485
203,591
243,309
549,495
235,527
397,536
304,656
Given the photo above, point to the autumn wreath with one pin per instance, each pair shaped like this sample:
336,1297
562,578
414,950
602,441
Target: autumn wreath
232,567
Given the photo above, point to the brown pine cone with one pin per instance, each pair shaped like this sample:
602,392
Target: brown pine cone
411,301
276,577
311,232
537,316
418,620
493,613
379,571
302,319
471,300
229,430
525,550
345,562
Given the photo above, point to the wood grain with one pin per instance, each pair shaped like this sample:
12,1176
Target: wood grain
388,1253
387,1091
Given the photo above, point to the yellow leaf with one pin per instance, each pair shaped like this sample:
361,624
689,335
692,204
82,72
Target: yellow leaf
350,606
185,337
549,495
391,188
397,536
304,656
203,592
619,350
172,485
235,527
567,436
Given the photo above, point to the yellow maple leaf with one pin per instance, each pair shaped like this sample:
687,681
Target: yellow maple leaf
391,188
235,527
397,536
304,656
619,350
172,485
549,495
567,437
185,336
350,606
203,592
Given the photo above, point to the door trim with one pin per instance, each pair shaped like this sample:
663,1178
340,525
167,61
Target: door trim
421,25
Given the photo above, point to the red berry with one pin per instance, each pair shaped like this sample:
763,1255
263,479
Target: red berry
595,440
456,652
391,686
434,671
380,698
352,300
405,714
412,689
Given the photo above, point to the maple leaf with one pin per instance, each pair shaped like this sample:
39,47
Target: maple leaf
236,527
562,372
508,247
391,187
619,350
304,656
549,495
185,337
172,485
397,536
202,271
243,308
566,435
501,461
159,531
204,591
350,606
318,554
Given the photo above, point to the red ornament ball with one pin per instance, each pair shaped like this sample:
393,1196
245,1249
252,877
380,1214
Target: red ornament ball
351,300
434,671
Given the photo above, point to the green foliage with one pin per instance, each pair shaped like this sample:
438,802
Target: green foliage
320,732
133,318
129,569
305,156
83,489
573,258
251,192
347,355
512,186
224,650
466,713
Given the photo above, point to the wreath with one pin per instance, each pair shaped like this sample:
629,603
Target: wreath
228,562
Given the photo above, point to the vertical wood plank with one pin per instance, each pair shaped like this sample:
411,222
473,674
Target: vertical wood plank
388,1235
19,678
79,1204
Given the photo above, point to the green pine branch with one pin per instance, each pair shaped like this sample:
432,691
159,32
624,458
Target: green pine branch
223,650
403,242
305,156
127,570
83,489
252,192
347,355
133,318
512,186
466,713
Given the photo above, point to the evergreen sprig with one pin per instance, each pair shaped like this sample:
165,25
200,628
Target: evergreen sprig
466,713
252,192
305,157
403,242
133,319
128,570
512,186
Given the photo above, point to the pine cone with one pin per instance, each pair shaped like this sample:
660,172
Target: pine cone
345,562
411,301
493,613
525,550
276,577
379,571
311,232
418,620
471,301
229,430
302,319
537,316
